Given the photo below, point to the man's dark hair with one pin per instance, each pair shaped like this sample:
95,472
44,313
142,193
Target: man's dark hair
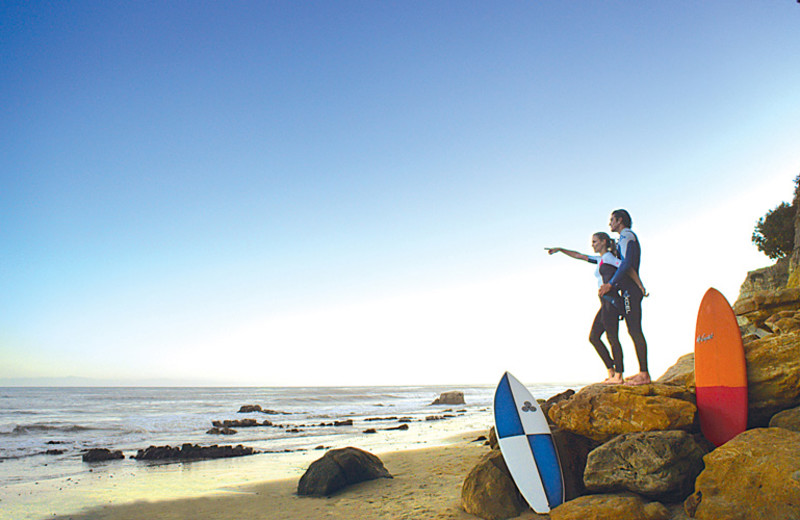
624,216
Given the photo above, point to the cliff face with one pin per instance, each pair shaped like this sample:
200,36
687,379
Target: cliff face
785,273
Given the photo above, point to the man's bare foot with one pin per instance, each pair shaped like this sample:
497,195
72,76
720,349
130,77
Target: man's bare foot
642,378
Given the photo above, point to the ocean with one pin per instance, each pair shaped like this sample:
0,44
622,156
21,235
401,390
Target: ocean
44,432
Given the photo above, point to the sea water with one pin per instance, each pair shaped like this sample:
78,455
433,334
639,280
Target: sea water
45,431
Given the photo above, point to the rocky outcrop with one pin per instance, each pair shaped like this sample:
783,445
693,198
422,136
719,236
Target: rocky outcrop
625,506
489,492
787,419
770,279
773,376
452,398
754,475
601,412
101,454
658,465
338,469
192,452
681,373
753,311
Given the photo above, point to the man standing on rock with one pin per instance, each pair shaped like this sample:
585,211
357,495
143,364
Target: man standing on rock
629,251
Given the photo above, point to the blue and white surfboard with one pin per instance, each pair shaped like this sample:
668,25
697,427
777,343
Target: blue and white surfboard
527,445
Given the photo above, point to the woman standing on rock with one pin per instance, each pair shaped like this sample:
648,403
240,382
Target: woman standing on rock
607,318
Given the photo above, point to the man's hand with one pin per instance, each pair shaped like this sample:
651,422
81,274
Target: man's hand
605,289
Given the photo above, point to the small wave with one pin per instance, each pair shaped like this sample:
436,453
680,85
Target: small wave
22,429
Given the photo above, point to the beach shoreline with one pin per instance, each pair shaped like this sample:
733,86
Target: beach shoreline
426,483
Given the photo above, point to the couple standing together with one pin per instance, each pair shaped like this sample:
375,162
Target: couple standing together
621,292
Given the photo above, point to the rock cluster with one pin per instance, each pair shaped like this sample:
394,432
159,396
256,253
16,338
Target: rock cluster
628,452
192,452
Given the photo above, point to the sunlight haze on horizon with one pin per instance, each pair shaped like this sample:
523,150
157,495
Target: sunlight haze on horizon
360,193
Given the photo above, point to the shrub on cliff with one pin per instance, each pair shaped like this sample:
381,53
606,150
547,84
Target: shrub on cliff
774,233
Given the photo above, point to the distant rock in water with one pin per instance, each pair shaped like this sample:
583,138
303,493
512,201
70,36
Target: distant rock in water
101,454
255,408
338,469
454,397
192,452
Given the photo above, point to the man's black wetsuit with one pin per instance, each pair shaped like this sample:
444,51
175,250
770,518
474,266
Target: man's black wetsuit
607,318
630,253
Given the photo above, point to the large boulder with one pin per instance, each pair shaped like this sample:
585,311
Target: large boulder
754,475
624,506
338,469
773,376
659,465
489,492
601,412
681,373
787,419
452,398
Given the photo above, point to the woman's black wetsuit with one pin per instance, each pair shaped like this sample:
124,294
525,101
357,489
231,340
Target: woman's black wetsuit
607,318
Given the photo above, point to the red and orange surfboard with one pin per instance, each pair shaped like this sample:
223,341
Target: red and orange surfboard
720,371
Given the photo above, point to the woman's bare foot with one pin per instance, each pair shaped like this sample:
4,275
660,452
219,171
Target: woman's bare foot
615,379
642,378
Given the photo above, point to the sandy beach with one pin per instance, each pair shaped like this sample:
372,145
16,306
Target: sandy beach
426,485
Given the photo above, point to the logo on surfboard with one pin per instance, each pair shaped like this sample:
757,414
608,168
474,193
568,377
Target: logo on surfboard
528,407
703,339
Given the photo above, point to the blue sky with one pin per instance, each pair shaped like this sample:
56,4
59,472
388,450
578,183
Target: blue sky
284,193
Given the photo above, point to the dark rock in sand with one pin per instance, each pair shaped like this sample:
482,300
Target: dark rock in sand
370,430
192,452
454,397
346,422
659,465
338,469
401,427
101,454
372,419
54,452
489,492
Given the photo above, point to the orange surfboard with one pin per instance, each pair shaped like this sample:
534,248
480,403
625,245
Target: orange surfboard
720,371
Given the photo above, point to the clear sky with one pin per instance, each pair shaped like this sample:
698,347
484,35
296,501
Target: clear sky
348,193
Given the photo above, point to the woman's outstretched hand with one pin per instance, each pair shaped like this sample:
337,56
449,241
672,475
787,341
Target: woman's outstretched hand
552,250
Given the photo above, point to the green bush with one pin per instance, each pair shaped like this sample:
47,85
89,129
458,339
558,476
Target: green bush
774,233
